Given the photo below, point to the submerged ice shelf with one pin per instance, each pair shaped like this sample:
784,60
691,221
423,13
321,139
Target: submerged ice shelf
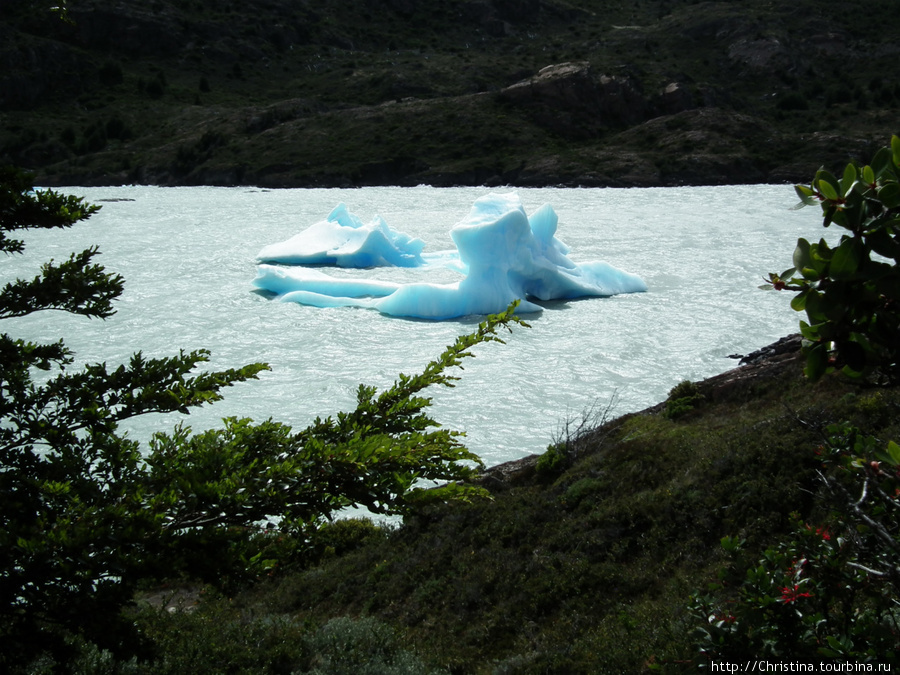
505,255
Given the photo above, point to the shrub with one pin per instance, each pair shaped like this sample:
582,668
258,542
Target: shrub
345,534
215,637
851,292
345,646
830,591
552,462
575,435
683,398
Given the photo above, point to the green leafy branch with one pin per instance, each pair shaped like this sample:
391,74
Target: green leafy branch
374,456
74,286
851,292
85,514
23,208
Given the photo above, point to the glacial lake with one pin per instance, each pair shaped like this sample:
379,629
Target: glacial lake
188,259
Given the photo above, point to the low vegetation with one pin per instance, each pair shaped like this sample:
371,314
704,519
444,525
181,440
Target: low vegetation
608,567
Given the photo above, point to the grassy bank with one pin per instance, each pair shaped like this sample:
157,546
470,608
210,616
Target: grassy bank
580,566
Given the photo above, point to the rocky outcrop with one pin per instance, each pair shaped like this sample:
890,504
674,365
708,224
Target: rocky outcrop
762,54
574,102
676,97
509,474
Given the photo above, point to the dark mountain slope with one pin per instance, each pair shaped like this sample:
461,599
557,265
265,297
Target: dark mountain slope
528,92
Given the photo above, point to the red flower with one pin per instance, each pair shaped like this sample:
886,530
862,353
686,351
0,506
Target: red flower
822,532
789,594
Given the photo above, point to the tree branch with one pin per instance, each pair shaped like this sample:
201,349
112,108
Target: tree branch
74,286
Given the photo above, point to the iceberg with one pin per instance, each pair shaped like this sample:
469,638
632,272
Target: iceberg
505,255
343,240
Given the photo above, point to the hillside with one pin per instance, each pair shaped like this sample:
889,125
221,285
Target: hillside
518,92
588,568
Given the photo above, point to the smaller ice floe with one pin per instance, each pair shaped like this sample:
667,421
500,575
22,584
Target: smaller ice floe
504,254
342,240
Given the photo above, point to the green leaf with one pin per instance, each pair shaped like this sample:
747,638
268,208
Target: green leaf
810,274
821,255
848,180
868,175
881,242
890,455
828,190
798,302
894,449
810,333
731,544
807,196
895,148
816,362
889,194
881,162
842,646
801,254
846,258
815,306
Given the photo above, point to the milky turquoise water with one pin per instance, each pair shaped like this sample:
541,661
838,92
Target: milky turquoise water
188,258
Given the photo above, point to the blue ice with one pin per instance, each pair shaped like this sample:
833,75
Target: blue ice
505,255
343,240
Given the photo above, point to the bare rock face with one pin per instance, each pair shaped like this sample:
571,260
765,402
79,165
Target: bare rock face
761,54
621,101
571,100
675,98
562,83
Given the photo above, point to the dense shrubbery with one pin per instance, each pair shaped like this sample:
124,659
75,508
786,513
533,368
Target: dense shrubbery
831,590
85,513
851,292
